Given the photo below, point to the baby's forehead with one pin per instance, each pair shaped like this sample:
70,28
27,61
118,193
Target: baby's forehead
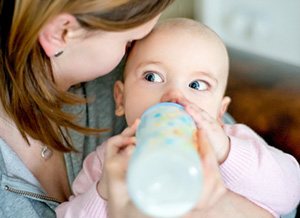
186,27
183,29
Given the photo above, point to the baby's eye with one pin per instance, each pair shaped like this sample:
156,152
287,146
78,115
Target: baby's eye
198,85
153,77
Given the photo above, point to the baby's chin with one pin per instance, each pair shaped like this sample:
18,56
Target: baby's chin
130,120
133,116
129,123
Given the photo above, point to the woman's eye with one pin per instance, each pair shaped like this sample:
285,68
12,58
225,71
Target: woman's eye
198,85
153,77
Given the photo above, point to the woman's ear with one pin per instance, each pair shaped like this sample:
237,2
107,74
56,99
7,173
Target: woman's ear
224,105
53,36
119,98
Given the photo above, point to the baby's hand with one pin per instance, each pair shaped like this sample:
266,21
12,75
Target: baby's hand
117,146
212,129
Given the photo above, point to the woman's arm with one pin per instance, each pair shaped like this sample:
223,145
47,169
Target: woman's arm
263,174
235,206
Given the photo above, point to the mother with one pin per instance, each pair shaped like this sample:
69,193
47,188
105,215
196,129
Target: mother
47,47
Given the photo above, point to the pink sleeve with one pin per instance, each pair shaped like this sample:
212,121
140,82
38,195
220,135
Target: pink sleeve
263,174
86,202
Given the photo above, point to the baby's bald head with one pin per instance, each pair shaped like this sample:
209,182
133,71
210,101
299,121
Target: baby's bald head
179,59
180,28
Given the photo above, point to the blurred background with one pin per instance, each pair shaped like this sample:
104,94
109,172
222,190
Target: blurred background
263,42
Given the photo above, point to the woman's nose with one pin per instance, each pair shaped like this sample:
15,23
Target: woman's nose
172,95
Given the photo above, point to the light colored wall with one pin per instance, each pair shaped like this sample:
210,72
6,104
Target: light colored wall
269,28
254,27
180,8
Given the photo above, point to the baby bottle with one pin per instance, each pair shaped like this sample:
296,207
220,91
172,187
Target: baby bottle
164,176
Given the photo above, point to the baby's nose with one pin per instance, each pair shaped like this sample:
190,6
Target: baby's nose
172,95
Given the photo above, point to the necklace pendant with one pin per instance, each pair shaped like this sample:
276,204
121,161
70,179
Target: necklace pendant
46,153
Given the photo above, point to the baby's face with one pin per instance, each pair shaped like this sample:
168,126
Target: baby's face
174,64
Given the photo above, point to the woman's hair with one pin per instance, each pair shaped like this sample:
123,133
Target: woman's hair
27,89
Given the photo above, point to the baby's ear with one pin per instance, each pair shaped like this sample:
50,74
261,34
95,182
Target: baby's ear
224,105
119,96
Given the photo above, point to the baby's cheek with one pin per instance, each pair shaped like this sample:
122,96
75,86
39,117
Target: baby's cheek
131,113
129,120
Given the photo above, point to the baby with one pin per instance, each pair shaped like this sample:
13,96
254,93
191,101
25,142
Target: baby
185,62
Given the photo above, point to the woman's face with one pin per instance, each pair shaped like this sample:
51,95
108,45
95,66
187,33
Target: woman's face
88,57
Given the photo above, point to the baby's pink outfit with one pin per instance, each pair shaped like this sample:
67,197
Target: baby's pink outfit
261,173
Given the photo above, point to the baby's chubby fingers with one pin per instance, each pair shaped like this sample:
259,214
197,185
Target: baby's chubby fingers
213,130
114,158
200,116
131,130
118,152
118,143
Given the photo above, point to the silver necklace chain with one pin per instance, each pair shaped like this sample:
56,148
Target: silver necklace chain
46,152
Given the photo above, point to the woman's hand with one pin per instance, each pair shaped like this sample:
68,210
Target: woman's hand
213,187
117,147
